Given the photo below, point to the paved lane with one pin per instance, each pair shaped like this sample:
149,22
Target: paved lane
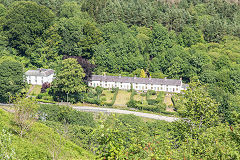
112,110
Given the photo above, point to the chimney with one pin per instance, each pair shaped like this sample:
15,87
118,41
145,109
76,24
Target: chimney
165,78
119,76
150,77
180,78
104,74
135,76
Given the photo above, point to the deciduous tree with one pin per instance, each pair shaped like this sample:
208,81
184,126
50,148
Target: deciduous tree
25,114
25,21
12,80
69,80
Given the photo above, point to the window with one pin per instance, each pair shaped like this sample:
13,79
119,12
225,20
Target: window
173,89
36,79
106,85
146,87
91,84
158,88
142,87
176,89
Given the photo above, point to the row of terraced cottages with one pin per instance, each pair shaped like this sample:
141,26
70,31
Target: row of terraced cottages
139,84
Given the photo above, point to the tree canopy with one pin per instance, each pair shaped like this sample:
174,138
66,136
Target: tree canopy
12,80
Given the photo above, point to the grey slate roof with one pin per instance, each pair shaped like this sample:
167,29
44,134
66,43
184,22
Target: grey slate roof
154,81
39,72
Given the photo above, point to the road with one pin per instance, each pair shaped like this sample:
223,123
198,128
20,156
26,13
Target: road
112,110
119,111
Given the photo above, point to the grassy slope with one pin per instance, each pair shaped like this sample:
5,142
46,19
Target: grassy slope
40,141
36,90
108,96
122,97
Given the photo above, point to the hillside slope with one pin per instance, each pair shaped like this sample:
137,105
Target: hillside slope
41,142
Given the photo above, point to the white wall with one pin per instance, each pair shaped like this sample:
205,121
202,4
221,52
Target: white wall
138,87
39,80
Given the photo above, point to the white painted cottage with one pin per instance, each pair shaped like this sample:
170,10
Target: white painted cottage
39,76
139,84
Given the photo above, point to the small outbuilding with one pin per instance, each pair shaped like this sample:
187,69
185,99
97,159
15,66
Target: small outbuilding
39,76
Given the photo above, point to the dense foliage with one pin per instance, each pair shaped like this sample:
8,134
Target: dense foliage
69,81
198,41
130,137
11,81
41,142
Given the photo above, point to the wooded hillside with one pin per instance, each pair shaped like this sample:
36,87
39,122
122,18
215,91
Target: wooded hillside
198,41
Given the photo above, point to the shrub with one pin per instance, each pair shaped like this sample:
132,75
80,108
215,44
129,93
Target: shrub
114,97
152,101
132,94
103,99
92,100
132,104
151,92
45,86
65,114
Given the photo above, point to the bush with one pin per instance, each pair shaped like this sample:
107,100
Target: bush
45,86
114,90
65,114
45,101
132,94
152,101
92,100
132,104
151,92
103,99
114,97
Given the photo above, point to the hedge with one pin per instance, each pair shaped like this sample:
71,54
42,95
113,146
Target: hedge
115,90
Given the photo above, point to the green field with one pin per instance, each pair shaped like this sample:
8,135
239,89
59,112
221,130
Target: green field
108,95
122,98
34,90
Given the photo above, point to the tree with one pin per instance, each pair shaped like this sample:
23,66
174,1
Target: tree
86,65
45,50
99,91
45,86
11,81
79,36
142,74
120,52
198,110
69,80
189,37
161,40
25,21
25,114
